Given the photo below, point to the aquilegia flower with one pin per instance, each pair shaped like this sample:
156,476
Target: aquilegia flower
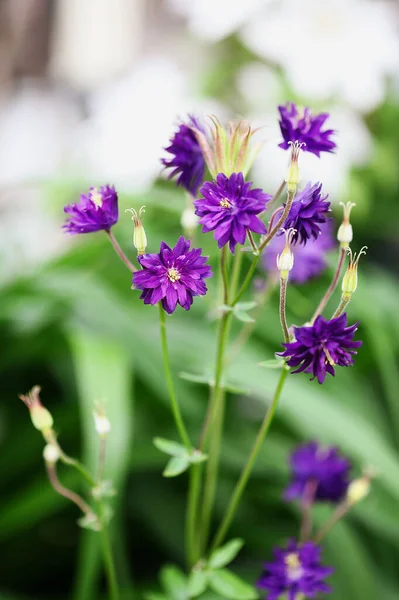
309,260
295,572
174,276
318,348
187,160
97,210
308,211
318,474
301,126
229,208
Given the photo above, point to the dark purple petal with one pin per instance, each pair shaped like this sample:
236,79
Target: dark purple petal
96,211
302,126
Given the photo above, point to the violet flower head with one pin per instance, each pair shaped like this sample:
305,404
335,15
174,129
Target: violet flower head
299,125
174,276
318,348
296,571
229,208
187,160
96,211
308,211
318,474
309,260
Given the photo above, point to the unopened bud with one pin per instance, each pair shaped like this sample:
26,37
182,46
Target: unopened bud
51,453
345,231
40,416
285,260
349,281
101,422
189,219
139,236
358,490
293,177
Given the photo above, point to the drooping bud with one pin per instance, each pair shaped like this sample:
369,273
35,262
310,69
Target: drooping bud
101,421
293,176
139,236
51,454
359,488
345,231
230,149
285,260
349,281
189,220
40,416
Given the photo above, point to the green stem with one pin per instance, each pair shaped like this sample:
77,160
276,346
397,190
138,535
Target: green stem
235,272
333,285
169,379
246,472
120,252
192,541
342,305
247,280
283,317
225,277
109,564
281,221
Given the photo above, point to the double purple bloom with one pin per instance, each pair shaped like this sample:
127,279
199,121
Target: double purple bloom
308,212
97,210
229,208
174,276
301,126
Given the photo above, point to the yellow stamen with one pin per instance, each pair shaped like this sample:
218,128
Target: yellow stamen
225,203
173,275
96,197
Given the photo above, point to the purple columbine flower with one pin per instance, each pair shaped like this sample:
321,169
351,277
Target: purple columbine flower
308,211
295,570
318,348
187,160
309,260
318,474
174,276
97,210
301,126
229,208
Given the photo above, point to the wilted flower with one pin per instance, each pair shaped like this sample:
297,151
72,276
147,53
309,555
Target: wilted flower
296,572
321,469
318,348
308,211
299,125
97,211
309,260
174,276
187,160
229,208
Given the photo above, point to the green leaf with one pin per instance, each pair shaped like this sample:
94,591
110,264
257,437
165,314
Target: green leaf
174,582
169,446
229,585
245,305
274,363
243,316
225,308
176,466
197,583
224,555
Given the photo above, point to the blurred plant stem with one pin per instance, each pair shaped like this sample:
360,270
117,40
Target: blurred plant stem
108,558
169,379
120,252
283,318
332,286
192,534
242,482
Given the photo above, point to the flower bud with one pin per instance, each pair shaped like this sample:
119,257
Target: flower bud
189,220
285,260
293,177
101,422
51,453
345,231
349,281
40,416
358,490
139,236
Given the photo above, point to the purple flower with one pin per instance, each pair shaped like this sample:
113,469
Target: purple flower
308,211
295,570
300,125
318,474
318,348
309,260
98,210
229,208
174,276
187,160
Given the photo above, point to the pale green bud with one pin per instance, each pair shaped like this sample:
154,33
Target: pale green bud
51,453
285,260
345,231
349,281
101,422
40,416
293,175
139,235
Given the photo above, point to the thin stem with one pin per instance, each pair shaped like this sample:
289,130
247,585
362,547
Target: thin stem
333,285
63,491
101,458
306,524
247,280
235,275
277,194
340,511
192,541
280,222
120,252
341,307
252,242
223,271
283,317
246,472
169,379
72,462
108,559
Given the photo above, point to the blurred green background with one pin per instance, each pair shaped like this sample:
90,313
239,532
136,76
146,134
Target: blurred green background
70,322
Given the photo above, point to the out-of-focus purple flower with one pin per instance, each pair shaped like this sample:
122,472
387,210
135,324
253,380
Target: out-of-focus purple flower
302,126
96,211
296,571
318,474
174,276
318,348
229,208
187,160
309,260
308,211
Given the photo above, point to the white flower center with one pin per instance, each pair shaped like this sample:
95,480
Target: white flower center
224,203
173,275
294,567
96,197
